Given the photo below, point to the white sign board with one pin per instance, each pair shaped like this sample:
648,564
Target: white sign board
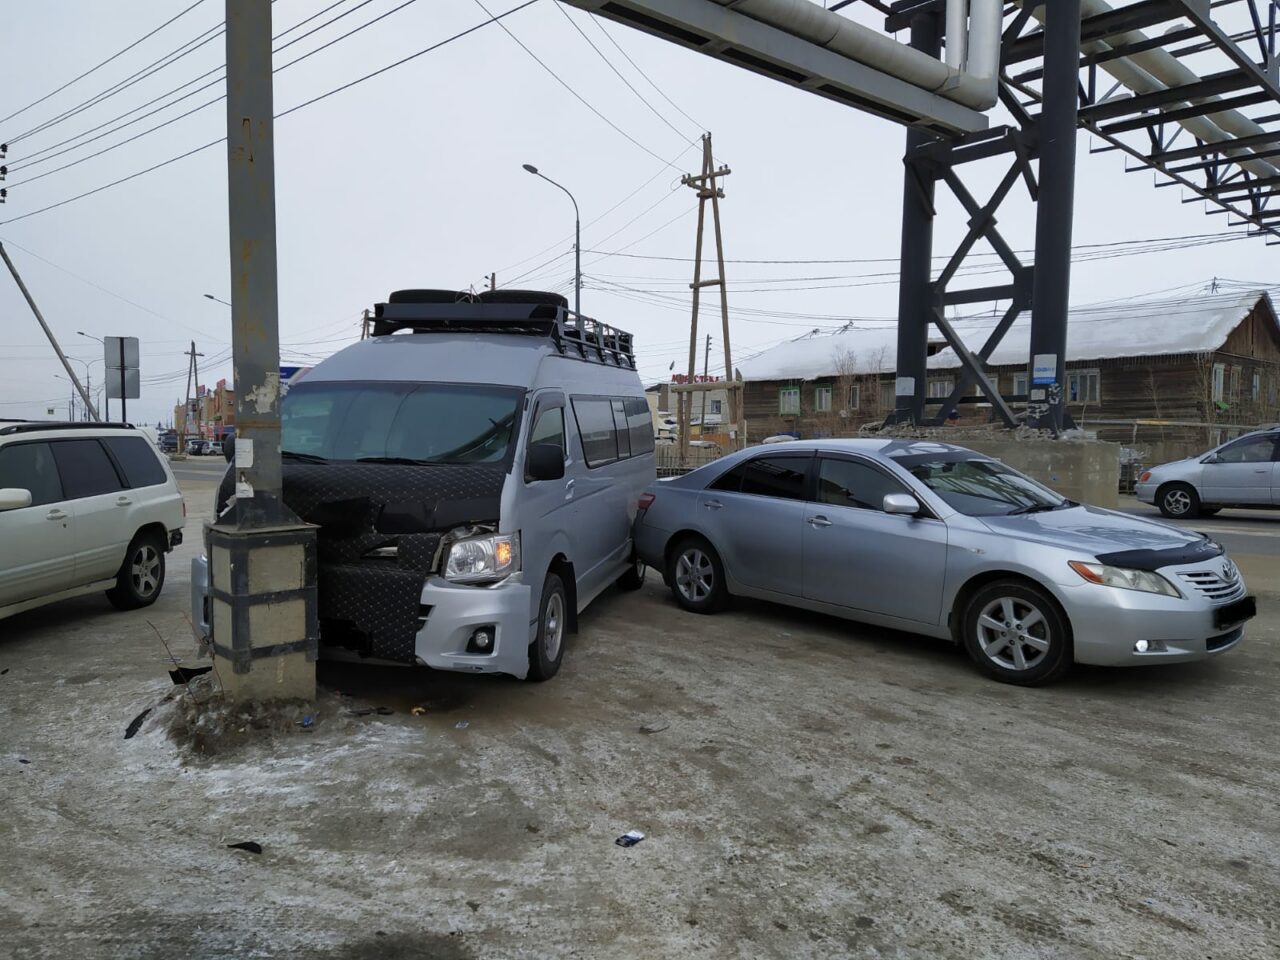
1044,368
121,357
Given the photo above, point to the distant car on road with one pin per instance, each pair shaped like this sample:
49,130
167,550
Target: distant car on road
83,507
943,541
1242,473
213,448
196,448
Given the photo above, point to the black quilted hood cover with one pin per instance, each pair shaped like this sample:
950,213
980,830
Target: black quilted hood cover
360,507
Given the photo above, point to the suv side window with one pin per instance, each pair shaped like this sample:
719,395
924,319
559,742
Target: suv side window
138,459
30,466
1249,450
781,477
847,483
85,468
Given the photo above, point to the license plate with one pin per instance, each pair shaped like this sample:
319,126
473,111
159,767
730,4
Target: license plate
1235,613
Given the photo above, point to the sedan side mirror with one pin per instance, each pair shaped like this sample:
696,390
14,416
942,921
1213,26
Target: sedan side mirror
544,461
901,503
14,498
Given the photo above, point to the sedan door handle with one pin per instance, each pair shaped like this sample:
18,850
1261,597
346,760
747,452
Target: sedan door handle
713,504
819,521
56,515
123,501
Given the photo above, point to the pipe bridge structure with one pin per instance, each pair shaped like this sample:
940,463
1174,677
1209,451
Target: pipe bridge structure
1188,89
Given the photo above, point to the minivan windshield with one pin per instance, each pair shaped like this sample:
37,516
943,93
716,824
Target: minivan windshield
982,488
393,422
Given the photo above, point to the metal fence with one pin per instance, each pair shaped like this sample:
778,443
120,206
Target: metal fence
671,464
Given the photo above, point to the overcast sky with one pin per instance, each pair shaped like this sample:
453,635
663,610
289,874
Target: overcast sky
414,178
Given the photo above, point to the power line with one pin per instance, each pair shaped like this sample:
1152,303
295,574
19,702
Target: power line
207,103
647,78
577,96
608,63
117,54
294,109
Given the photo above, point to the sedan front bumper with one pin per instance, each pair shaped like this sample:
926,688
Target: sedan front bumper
1146,492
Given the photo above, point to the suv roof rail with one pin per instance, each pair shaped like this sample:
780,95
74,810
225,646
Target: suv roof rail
36,426
534,313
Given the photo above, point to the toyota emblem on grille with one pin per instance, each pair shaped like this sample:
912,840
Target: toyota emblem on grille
1229,571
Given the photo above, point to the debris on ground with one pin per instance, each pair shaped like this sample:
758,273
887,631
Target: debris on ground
630,838
23,760
136,724
247,845
307,722
462,724
184,675
215,725
371,711
655,727
419,711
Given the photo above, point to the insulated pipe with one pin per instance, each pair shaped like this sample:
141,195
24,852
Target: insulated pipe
807,20
1154,70
957,33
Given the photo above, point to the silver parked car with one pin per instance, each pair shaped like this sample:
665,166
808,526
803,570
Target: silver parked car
943,541
1242,473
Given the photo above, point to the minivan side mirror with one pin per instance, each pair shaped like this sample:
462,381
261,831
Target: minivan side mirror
901,503
544,461
14,498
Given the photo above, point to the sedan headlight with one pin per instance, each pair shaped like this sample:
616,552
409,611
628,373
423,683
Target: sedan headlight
1143,580
483,559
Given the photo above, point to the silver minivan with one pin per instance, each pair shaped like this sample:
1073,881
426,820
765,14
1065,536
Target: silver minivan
475,468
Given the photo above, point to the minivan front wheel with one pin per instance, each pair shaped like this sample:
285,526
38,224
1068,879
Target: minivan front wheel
141,576
1014,632
1179,501
547,650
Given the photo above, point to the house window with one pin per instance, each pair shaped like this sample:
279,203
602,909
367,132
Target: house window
887,399
1219,377
1019,384
855,396
713,407
941,389
789,401
1082,386
1255,390
1235,384
822,399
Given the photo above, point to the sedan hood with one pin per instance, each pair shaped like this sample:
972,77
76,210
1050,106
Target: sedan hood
1092,531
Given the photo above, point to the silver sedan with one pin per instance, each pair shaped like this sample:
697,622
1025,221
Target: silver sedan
940,540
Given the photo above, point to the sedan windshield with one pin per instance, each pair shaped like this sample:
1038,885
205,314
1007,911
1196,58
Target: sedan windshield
387,422
982,488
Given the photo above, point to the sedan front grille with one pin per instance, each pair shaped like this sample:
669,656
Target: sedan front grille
1214,585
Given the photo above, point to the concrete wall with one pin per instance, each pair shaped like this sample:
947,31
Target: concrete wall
1084,470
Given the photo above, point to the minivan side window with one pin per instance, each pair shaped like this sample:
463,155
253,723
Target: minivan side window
30,466
85,468
622,429
1250,450
138,459
549,428
596,429
640,424
782,477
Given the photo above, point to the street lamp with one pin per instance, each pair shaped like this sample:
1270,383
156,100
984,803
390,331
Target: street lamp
210,296
577,240
106,407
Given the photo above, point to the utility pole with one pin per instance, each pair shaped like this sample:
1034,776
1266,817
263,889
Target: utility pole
708,189
66,364
706,368
262,559
493,281
186,406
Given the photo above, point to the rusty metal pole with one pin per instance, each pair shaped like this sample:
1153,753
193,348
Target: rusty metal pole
262,562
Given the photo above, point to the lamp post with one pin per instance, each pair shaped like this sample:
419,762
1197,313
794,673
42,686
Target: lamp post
577,239
106,407
210,296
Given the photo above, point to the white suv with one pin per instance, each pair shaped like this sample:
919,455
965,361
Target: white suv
83,507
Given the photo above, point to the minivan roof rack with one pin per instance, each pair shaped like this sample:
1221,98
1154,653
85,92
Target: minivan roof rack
34,426
534,313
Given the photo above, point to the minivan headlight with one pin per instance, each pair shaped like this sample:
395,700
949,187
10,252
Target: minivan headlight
1143,580
483,559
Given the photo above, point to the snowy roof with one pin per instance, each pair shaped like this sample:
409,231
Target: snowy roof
1136,329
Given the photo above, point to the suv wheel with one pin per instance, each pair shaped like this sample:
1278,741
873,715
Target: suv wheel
141,576
1014,632
1179,501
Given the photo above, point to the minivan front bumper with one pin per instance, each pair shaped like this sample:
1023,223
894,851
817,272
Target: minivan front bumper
451,614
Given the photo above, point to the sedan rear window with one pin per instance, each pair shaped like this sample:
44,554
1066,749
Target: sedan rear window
781,477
